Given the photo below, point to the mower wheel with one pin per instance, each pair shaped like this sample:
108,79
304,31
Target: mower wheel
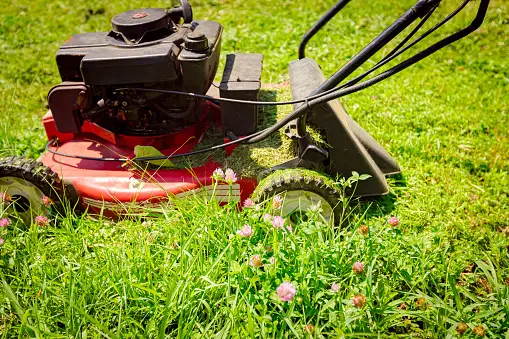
301,190
28,189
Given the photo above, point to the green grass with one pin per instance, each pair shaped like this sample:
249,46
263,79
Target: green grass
444,120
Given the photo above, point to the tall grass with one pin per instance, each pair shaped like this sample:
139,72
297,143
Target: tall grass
190,274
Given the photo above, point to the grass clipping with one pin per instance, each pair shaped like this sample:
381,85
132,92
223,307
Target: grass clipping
248,160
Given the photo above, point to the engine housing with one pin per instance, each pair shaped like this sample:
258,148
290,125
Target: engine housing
146,48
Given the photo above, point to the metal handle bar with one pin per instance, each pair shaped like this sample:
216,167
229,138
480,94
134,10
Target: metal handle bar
319,24
301,111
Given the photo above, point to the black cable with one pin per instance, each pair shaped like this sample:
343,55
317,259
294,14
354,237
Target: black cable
52,141
145,159
412,33
210,98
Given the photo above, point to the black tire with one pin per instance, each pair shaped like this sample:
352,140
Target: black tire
300,180
35,176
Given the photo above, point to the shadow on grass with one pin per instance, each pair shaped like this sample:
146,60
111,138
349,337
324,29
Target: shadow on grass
376,207
267,115
249,160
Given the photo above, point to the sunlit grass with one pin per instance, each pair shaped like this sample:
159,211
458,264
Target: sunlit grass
183,275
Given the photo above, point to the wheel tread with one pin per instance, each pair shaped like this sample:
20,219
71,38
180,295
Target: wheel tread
35,173
298,178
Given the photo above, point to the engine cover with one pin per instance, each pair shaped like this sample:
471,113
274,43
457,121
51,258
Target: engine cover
147,48
110,59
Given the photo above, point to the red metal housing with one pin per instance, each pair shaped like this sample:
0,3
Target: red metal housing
113,189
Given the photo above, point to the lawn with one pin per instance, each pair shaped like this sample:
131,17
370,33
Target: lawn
442,271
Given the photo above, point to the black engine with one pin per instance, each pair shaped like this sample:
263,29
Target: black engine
148,48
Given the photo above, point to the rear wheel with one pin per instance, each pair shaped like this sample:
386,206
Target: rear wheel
301,190
28,189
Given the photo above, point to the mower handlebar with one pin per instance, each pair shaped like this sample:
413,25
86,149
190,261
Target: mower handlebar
301,111
421,8
319,24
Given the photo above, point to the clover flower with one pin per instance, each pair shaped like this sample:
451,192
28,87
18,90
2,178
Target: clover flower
286,291
4,197
1,241
358,268
278,222
393,221
421,303
218,174
335,287
256,261
272,260
289,228
246,231
4,222
41,220
267,217
363,230
277,202
359,300
230,176
47,201
309,328
248,203
316,207
479,330
461,328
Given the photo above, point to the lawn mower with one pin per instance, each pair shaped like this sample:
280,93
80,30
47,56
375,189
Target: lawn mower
134,100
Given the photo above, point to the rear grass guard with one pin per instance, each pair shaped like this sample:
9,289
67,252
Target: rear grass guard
351,147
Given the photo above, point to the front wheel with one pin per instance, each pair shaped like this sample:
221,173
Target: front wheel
28,189
301,190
